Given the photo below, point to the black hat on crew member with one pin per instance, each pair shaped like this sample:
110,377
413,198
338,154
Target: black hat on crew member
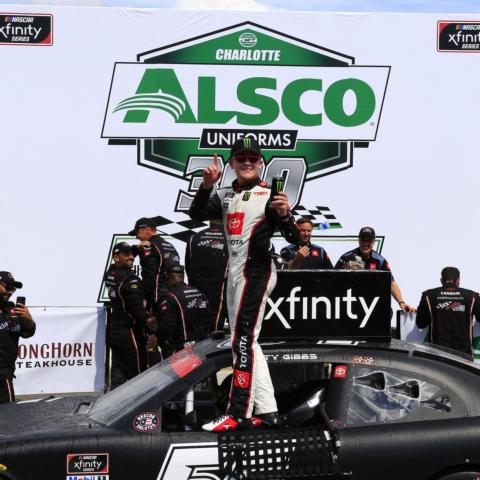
174,267
367,232
247,145
9,281
122,247
142,222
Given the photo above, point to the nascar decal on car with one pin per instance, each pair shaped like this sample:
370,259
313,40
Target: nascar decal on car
87,477
80,463
146,422
188,461
184,361
365,360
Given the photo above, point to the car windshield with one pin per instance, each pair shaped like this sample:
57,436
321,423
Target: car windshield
130,393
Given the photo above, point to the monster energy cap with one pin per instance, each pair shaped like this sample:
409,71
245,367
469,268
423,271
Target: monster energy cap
245,145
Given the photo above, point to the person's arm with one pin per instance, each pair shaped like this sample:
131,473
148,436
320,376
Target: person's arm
397,295
203,207
424,315
298,259
476,307
131,292
188,258
341,263
28,325
327,263
167,318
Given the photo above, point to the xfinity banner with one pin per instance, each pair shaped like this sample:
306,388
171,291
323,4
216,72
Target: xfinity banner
324,304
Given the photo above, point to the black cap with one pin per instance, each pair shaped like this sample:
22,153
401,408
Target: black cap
142,222
245,144
9,281
122,247
174,267
366,232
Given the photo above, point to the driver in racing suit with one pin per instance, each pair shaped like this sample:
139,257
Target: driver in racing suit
250,217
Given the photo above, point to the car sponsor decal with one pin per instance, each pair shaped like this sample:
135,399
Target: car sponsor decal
146,422
365,360
340,371
87,463
88,477
241,379
186,461
235,223
184,361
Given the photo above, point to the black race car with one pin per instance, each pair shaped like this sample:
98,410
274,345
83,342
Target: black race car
359,409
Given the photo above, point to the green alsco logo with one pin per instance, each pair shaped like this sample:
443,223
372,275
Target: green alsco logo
308,107
160,88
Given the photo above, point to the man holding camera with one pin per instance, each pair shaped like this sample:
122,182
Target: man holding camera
251,212
15,322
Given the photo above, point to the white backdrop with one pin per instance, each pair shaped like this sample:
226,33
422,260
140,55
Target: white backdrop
65,191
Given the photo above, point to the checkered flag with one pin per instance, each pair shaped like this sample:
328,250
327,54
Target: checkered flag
321,217
179,227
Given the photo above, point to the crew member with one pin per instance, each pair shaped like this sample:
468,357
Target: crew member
206,260
365,258
154,253
15,322
182,311
250,217
128,321
306,255
449,311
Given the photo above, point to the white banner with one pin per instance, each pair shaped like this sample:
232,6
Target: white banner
402,160
66,354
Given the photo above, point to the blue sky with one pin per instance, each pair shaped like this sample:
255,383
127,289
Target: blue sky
434,6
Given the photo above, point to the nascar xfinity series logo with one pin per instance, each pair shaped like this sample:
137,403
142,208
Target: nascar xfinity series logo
307,106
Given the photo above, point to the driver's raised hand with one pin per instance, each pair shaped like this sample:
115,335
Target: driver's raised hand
211,174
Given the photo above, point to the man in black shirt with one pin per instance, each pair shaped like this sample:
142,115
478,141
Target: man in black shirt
181,311
364,257
154,253
128,323
15,322
306,255
206,259
449,311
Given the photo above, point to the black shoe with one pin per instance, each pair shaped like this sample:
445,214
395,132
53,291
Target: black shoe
267,420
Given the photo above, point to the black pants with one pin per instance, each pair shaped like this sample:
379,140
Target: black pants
129,354
7,394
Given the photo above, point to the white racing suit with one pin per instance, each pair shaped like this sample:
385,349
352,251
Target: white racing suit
249,225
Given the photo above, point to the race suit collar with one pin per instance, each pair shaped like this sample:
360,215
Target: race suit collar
249,186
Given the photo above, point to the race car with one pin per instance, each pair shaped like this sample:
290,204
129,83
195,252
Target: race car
361,409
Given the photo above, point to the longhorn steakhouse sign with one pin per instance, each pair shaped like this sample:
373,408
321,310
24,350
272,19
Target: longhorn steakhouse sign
309,107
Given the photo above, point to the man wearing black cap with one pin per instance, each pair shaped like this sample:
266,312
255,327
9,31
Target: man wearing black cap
128,323
250,218
365,258
15,322
181,312
449,311
154,253
206,258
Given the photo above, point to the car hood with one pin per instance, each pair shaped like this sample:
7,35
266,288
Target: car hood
44,415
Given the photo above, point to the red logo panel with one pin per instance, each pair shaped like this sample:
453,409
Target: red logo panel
241,379
340,371
235,223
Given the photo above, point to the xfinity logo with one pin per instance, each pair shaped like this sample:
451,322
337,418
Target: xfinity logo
312,308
